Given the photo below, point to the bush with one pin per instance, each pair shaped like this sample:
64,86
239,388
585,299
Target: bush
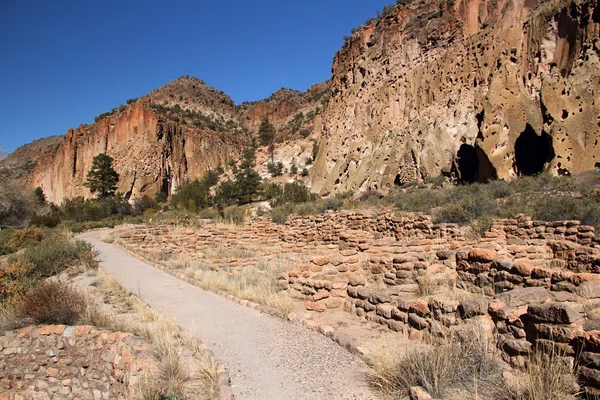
567,207
191,196
48,221
5,236
140,205
275,169
25,237
280,214
304,172
53,302
16,280
52,255
294,193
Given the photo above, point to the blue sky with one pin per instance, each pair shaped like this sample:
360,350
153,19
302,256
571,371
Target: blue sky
63,62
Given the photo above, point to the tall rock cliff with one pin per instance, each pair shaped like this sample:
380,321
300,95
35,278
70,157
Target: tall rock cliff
476,89
156,142
176,132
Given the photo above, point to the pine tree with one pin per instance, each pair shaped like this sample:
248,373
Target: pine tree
247,180
266,132
102,179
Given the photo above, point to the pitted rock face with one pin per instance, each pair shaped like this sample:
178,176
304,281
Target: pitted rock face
479,89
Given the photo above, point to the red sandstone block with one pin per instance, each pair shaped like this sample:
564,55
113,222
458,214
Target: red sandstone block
59,329
24,333
46,330
82,330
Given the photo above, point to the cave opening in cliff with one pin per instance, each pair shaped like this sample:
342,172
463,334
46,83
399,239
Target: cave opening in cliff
165,186
474,165
532,152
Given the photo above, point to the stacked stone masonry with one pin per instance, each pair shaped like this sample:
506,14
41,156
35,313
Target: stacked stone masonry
71,362
532,283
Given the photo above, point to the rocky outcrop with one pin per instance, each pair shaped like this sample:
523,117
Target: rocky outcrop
476,89
151,154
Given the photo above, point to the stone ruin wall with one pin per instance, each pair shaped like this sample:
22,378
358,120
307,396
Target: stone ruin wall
531,281
67,362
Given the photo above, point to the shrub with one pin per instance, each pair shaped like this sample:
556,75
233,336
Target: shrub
140,205
304,172
5,236
275,169
294,193
16,280
48,221
279,214
191,196
25,237
53,302
567,207
52,255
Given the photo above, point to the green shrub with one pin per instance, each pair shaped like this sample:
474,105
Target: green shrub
5,236
566,208
275,169
48,221
141,204
191,196
52,255
16,280
53,302
304,172
280,214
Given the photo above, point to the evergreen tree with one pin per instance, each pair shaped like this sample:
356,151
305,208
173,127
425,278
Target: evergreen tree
102,179
247,180
39,195
266,132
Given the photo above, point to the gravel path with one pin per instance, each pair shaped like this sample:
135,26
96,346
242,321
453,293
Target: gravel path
267,358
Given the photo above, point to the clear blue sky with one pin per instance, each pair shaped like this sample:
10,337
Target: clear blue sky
63,62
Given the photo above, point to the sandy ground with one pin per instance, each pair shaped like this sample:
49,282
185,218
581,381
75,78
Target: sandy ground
266,357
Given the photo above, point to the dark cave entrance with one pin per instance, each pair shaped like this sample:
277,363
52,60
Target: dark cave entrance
165,186
532,152
474,165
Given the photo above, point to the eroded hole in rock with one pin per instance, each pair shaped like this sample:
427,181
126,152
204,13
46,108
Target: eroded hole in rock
532,152
474,165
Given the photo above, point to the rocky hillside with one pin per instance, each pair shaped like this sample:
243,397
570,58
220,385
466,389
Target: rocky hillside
19,164
178,131
475,89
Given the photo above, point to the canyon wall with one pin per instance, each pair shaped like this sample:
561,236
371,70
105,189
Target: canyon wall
150,154
474,89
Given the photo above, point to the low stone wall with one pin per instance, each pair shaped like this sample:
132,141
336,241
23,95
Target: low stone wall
330,226
57,361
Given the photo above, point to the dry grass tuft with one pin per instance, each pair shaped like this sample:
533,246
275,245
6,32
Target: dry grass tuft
464,361
548,375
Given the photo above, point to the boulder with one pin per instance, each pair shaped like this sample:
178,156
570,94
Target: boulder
555,313
523,296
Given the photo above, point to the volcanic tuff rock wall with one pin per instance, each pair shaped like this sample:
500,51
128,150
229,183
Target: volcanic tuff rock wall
150,154
511,86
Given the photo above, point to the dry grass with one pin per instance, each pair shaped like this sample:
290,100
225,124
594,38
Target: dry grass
232,252
462,365
548,375
183,372
592,316
256,283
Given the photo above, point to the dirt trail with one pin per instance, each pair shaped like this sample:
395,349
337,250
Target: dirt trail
267,358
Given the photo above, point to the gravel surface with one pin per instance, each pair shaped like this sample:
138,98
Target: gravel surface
267,358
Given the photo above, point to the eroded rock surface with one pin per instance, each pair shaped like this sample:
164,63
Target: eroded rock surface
478,89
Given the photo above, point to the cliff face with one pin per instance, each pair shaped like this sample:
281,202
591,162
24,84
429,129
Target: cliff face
476,89
176,132
151,154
